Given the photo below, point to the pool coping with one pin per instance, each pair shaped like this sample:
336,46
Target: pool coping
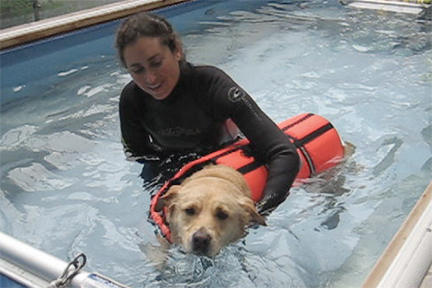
407,259
397,6
18,35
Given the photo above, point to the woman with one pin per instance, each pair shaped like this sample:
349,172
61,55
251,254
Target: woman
172,107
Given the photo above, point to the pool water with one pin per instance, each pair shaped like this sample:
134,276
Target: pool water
66,187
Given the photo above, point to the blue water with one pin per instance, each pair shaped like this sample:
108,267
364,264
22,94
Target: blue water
6,282
66,188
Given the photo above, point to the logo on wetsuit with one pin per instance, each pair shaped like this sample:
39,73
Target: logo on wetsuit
178,131
235,94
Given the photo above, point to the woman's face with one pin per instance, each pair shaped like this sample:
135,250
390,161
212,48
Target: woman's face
153,66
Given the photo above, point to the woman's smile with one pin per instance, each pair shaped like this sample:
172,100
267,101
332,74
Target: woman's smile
153,66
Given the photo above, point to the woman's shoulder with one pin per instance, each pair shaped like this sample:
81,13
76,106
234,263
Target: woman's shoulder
129,89
129,94
208,70
209,76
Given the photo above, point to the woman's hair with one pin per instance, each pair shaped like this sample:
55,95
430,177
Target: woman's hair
145,25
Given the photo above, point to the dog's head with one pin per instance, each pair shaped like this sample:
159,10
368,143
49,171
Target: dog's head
208,212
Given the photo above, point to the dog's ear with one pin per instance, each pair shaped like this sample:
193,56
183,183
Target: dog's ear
167,197
254,215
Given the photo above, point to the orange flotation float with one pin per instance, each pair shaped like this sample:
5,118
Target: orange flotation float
318,145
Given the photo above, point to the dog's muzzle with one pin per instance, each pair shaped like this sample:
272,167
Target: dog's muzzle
201,241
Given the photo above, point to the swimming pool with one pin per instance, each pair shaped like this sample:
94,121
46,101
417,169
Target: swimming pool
66,188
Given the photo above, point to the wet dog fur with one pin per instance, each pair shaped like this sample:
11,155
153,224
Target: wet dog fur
209,210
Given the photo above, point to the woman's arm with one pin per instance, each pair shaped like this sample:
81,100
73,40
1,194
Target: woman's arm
269,143
271,146
137,142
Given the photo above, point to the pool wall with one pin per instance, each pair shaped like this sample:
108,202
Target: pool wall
407,258
42,29
33,61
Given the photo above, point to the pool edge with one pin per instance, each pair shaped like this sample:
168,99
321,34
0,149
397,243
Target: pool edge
399,264
18,35
34,268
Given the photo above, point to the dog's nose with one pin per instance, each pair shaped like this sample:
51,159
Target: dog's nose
201,242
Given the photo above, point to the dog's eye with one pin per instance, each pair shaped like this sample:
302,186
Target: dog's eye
190,211
221,215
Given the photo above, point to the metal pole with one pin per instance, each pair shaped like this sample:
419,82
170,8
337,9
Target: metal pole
19,259
34,261
36,10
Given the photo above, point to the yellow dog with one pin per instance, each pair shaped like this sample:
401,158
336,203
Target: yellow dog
209,210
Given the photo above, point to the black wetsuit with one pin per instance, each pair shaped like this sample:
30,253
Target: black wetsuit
192,119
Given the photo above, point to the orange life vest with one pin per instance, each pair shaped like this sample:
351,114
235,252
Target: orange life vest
318,145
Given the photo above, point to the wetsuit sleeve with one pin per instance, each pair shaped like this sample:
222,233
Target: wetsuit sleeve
269,143
135,138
